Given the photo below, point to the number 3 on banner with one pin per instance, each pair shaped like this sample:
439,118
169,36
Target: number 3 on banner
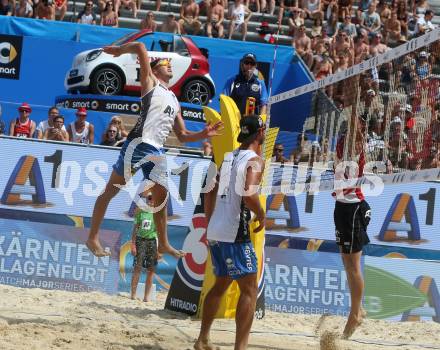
196,245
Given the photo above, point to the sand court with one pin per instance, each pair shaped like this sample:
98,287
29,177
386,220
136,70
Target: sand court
43,319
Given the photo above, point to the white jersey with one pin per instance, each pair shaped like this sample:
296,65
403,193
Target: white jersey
80,137
229,221
159,110
238,14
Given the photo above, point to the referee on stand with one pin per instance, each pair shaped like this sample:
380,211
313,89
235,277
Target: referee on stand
247,84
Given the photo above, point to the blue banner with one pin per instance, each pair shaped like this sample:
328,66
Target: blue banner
54,257
404,216
303,282
32,193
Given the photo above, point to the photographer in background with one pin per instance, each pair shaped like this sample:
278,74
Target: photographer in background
46,10
46,124
57,132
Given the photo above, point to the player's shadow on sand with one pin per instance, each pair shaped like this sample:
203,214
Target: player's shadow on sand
138,312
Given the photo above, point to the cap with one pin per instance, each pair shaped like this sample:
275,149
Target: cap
423,54
249,56
155,62
410,123
408,108
81,111
249,126
25,107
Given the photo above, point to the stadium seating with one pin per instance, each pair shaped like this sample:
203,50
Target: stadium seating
126,19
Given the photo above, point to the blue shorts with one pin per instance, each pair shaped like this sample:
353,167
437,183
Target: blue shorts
142,155
234,260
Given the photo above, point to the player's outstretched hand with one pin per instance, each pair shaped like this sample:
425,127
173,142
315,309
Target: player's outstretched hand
214,129
113,50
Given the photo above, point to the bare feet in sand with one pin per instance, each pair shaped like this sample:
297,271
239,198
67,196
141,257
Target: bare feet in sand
352,324
171,251
205,345
96,248
363,312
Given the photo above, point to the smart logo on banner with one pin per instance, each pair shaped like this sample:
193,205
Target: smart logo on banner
303,282
10,56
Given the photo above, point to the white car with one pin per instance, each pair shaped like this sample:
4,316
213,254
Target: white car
96,72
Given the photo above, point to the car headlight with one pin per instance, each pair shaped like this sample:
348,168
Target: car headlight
93,55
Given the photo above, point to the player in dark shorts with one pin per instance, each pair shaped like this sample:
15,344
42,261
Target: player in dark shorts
351,216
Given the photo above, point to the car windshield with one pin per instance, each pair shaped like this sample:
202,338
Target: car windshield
180,46
147,39
126,38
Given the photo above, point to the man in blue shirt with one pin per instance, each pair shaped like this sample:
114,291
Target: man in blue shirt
247,84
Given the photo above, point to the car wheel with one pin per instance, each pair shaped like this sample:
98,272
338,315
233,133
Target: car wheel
107,81
197,92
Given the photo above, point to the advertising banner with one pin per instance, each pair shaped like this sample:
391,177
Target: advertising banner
49,256
10,56
56,183
402,289
122,104
404,215
66,179
302,282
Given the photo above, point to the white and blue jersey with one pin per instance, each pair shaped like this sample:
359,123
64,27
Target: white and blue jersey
228,230
143,148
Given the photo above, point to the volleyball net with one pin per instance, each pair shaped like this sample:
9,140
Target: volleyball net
386,107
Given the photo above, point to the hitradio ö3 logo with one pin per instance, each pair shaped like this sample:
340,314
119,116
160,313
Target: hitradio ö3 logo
191,268
7,53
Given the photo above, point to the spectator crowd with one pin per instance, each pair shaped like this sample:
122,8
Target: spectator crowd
54,129
314,26
397,110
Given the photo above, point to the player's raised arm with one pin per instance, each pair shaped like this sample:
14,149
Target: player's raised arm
185,135
147,78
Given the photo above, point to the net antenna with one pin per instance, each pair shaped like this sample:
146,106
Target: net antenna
390,102
270,133
272,74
